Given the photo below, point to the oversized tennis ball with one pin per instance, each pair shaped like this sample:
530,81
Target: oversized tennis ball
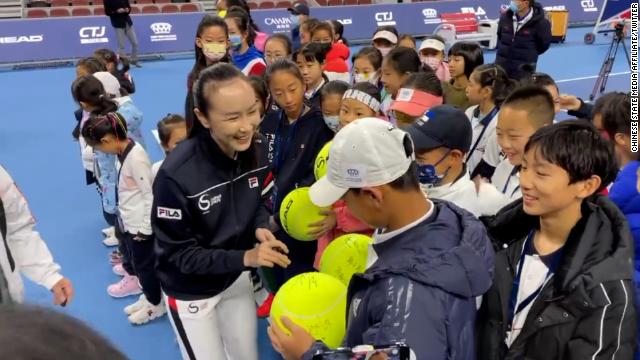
320,167
297,212
316,302
345,256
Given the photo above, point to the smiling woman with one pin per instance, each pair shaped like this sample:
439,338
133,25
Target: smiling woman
208,214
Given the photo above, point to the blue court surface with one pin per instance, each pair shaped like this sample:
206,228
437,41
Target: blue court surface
36,147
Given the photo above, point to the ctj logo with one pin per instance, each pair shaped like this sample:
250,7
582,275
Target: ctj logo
162,32
385,18
93,35
21,39
588,6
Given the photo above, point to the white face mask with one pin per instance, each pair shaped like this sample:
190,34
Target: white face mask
431,61
384,51
333,122
370,78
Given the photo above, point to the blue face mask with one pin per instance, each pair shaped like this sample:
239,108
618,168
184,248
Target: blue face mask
513,7
295,20
428,175
236,42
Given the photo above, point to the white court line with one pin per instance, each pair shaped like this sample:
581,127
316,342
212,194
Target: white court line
592,77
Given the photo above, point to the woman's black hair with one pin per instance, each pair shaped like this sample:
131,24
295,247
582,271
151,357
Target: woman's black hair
99,126
166,126
564,143
314,52
285,65
260,87
472,54
404,60
245,6
537,78
372,54
338,29
210,79
368,88
334,87
284,39
243,21
407,36
425,81
89,89
92,64
323,25
614,109
201,61
494,76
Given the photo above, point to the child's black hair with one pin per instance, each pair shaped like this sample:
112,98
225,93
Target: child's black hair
403,60
407,37
201,61
245,6
472,54
166,126
313,52
262,93
334,87
577,147
243,22
322,25
92,64
309,24
425,81
537,78
494,76
282,65
88,89
368,88
120,68
614,109
372,54
537,103
284,39
100,126
338,28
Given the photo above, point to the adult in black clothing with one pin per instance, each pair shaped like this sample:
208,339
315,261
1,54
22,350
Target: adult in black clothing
523,35
118,11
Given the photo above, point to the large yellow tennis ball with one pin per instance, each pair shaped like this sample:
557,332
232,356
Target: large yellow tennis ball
320,167
316,302
345,256
297,212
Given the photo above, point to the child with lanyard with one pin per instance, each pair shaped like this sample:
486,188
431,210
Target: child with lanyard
366,66
208,215
525,111
241,36
211,47
464,57
311,60
295,134
396,69
563,282
419,93
108,134
361,101
488,86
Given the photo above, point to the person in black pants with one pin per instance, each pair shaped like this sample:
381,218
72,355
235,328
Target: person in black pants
118,11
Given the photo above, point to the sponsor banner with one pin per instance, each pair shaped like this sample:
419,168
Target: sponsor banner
65,38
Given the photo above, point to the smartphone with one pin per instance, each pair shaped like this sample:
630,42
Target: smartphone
366,352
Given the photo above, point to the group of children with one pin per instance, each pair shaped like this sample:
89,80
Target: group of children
444,140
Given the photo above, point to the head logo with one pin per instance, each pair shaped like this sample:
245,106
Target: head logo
21,39
93,35
385,18
162,32
345,21
281,23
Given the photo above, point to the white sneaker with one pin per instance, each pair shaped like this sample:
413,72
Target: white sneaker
110,241
147,313
136,306
109,232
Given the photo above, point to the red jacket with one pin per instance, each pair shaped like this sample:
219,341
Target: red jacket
337,57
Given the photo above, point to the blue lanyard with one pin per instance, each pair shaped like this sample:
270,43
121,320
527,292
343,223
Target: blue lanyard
485,124
506,184
282,146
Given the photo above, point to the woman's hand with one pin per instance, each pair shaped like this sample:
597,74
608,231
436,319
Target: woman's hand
269,254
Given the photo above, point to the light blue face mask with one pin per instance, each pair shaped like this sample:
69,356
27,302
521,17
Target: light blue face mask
513,7
236,42
333,122
295,20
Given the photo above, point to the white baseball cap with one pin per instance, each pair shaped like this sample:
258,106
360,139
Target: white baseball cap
110,83
367,152
432,44
387,35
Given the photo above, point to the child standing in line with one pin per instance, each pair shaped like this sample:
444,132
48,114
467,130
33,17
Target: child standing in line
407,41
385,39
171,130
361,101
330,102
464,57
277,46
108,134
311,61
112,61
419,93
396,69
366,66
432,56
241,38
336,67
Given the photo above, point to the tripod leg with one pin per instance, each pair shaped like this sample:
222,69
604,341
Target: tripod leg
612,60
602,74
626,52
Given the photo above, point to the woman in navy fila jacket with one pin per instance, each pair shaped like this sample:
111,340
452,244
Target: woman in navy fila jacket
208,216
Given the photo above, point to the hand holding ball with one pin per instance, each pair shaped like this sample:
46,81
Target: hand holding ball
297,212
345,256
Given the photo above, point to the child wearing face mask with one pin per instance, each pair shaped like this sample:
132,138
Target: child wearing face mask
366,66
330,102
336,67
385,39
441,140
432,56
241,37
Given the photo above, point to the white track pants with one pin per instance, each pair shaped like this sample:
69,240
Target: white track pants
219,328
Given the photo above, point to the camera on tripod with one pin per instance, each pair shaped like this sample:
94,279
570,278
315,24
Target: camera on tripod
619,29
